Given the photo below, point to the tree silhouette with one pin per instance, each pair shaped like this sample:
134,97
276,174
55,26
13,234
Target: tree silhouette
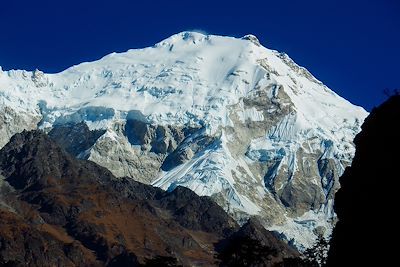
245,251
164,261
389,92
318,253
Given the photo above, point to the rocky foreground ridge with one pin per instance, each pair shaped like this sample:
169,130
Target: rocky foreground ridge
367,202
56,210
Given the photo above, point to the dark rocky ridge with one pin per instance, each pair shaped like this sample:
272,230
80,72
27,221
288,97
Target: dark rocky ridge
56,210
75,138
253,245
368,200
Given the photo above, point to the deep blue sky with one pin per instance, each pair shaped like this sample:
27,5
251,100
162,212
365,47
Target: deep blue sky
352,46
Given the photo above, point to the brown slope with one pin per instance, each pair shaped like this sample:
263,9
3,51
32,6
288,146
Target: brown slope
60,211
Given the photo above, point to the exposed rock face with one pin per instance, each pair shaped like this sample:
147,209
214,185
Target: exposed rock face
56,210
13,121
224,117
368,199
76,139
139,149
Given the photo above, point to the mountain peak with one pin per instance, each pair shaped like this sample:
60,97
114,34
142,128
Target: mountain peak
185,37
224,114
252,38
197,37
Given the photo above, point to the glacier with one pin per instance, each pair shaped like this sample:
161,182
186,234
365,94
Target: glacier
223,116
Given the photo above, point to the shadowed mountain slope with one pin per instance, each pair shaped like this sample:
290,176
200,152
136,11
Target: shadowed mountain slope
368,200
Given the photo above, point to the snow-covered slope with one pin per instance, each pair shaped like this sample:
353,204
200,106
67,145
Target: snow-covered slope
225,117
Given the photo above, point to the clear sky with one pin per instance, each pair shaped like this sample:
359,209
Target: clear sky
352,46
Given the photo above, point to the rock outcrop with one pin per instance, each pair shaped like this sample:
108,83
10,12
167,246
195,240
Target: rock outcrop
366,204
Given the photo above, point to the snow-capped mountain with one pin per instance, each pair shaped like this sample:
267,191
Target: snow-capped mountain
225,117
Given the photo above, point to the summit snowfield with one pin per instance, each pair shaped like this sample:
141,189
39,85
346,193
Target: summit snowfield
223,116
